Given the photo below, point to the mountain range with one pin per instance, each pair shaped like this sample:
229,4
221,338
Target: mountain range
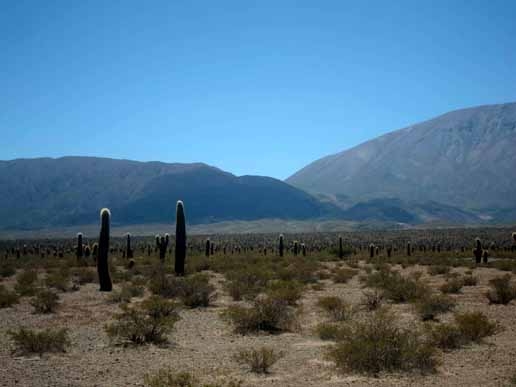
457,168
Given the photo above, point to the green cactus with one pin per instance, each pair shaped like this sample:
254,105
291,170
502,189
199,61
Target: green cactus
477,251
371,251
102,261
207,248
409,249
79,251
296,248
128,247
281,245
180,253
162,246
341,248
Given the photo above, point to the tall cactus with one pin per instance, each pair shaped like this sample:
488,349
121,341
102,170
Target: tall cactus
371,251
477,251
179,265
281,245
207,248
296,248
162,243
128,247
409,249
78,251
341,248
102,261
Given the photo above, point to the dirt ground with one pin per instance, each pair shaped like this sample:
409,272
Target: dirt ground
205,344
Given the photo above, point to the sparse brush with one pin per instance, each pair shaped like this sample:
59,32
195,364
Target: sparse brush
7,298
45,301
453,285
343,275
377,344
28,341
502,290
372,300
288,291
438,269
259,360
148,322
26,283
330,331
335,307
470,280
126,293
475,325
170,378
429,307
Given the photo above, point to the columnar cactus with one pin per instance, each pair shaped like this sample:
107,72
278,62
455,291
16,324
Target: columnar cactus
102,261
296,248
409,249
477,251
389,251
78,251
281,246
128,247
341,248
485,256
371,251
180,253
212,248
162,246
207,248
303,249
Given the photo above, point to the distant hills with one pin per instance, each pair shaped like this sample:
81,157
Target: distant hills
465,159
458,168
70,190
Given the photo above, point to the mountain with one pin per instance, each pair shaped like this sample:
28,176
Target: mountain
465,158
67,191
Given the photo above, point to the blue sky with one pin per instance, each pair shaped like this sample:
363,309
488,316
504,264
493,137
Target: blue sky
252,87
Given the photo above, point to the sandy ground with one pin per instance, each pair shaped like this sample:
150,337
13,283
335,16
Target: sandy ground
205,344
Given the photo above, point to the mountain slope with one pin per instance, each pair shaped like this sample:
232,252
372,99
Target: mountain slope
465,158
71,190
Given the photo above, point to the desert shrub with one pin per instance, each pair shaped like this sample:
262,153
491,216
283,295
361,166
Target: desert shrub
259,360
288,291
7,269
58,279
85,275
266,314
438,269
148,322
446,336
329,331
343,275
396,287
7,297
196,290
28,341
301,270
169,378
452,285
26,282
246,283
502,290
474,325
372,300
377,344
165,286
335,307
468,327
429,307
45,301
126,293
470,280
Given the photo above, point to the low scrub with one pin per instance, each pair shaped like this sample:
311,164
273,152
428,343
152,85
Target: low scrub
502,290
7,297
343,275
288,291
452,286
330,331
438,269
266,314
429,307
45,301
259,360
28,341
335,307
396,287
148,322
126,293
170,378
372,300
26,283
377,344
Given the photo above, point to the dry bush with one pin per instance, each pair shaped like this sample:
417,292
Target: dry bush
59,279
470,280
7,297
372,300
126,293
452,285
429,307
85,275
259,360
329,331
45,301
266,314
288,291
438,269
148,322
170,378
502,290
396,287
28,341
26,282
377,344
335,307
343,275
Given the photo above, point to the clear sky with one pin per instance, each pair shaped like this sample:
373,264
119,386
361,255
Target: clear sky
252,87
